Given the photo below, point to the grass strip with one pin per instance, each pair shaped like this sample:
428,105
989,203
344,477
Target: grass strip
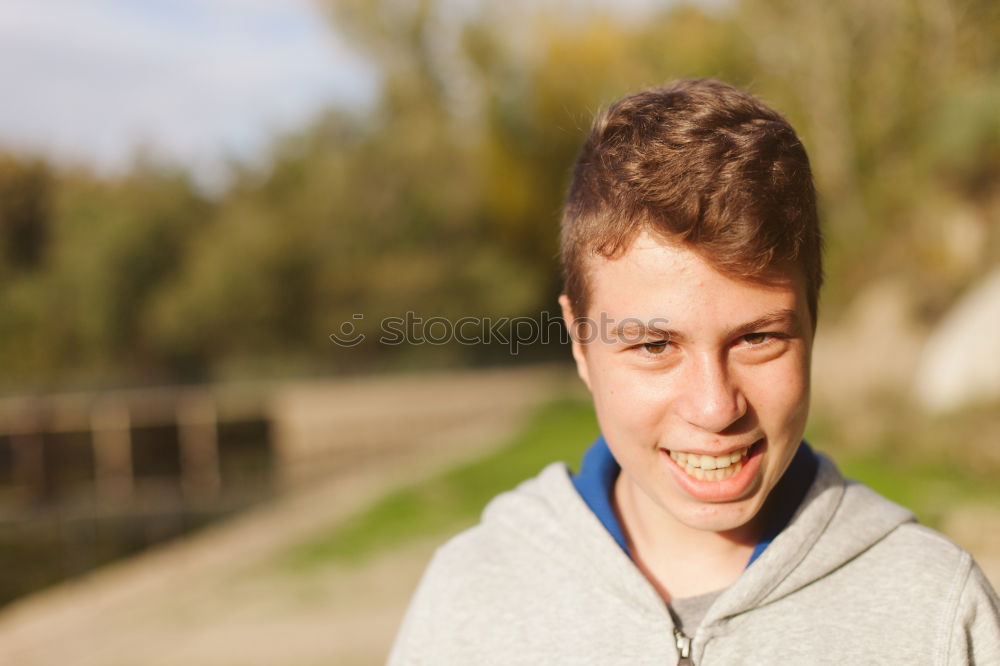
447,503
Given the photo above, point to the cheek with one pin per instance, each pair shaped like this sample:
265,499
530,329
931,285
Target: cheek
780,395
625,402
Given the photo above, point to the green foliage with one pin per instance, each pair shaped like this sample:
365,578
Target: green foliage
442,198
25,212
108,246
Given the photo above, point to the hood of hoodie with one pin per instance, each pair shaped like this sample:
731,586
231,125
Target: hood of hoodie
836,521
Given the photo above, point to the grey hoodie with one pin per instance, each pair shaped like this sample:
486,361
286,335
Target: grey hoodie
851,579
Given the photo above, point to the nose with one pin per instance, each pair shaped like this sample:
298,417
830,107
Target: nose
709,399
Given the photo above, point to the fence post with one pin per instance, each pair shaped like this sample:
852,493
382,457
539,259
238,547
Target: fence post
197,431
111,426
28,458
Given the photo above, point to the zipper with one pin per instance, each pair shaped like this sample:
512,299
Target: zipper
683,643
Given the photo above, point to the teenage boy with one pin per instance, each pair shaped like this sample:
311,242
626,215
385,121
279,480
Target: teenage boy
700,528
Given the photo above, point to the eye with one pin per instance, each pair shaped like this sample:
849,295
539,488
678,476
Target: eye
654,348
756,339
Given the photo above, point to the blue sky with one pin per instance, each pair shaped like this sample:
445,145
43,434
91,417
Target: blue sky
190,81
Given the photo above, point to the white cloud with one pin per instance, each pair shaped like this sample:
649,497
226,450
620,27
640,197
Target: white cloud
190,80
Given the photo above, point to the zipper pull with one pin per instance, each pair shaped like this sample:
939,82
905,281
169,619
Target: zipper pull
683,644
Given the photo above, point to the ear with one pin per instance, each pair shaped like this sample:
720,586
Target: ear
579,354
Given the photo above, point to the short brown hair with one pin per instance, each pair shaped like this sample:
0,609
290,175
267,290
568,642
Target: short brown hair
701,163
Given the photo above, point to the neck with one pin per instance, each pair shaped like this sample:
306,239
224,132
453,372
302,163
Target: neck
680,561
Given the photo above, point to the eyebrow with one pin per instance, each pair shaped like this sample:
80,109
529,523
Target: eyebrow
639,329
783,317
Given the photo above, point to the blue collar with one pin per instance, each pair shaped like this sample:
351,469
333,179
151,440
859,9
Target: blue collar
596,480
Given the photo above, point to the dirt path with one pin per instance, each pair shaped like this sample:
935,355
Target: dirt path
218,598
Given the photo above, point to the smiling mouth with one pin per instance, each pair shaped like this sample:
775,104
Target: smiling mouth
713,468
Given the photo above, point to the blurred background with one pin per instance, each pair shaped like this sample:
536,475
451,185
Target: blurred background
195,194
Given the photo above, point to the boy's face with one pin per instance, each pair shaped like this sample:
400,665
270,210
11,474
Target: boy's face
716,366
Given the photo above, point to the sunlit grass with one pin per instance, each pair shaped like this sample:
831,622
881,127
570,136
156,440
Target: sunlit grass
447,503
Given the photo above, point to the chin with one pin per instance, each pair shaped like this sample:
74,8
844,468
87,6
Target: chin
726,517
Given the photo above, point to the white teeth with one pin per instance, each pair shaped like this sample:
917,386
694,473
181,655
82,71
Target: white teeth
710,468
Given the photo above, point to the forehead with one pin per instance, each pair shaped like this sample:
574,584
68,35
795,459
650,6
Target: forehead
656,278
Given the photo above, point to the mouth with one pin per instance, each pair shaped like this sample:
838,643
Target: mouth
714,468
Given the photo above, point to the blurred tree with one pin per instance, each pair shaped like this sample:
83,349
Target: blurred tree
442,197
25,211
874,89
112,245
